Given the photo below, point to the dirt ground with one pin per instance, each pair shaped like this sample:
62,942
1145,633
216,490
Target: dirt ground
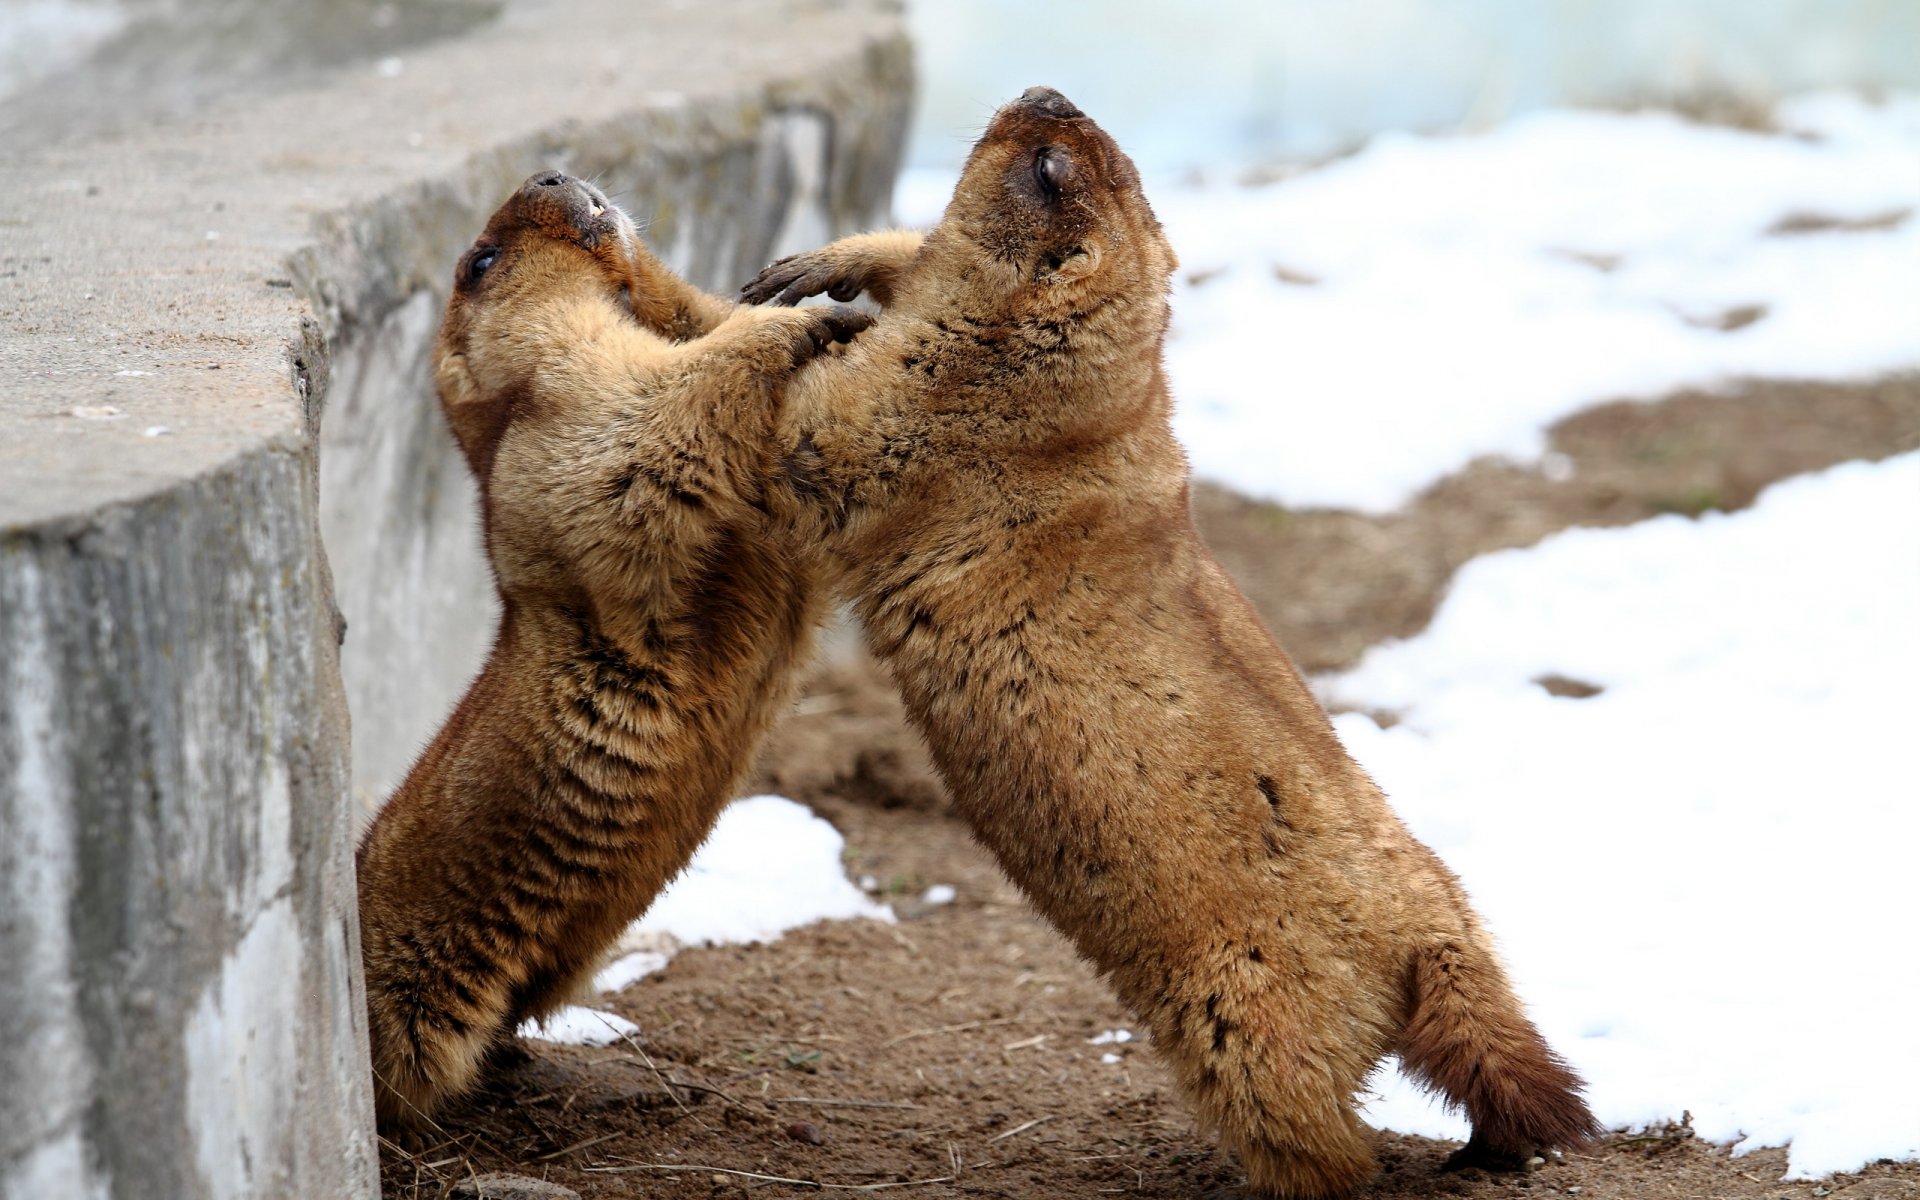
949,1055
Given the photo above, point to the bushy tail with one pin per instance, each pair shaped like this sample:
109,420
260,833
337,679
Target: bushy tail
1470,1040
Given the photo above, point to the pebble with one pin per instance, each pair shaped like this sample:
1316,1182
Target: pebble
806,1131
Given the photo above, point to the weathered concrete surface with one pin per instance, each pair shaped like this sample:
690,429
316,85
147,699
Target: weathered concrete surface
183,291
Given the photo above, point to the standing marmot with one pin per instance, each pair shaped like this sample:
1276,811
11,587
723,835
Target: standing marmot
993,465
649,629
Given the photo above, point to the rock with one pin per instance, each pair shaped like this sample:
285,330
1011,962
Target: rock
806,1131
510,1187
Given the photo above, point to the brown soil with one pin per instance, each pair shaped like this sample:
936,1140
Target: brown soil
948,1056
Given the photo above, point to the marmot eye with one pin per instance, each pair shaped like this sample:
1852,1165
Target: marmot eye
1051,167
478,264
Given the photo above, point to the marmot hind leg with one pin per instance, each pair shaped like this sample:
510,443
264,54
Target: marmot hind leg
1273,1068
1470,1039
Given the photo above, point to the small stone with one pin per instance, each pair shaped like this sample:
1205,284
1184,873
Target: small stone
1535,1163
717,1180
806,1131
1575,1190
510,1187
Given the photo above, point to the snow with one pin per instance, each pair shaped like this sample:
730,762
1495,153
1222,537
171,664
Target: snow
575,1025
1471,291
770,866
629,969
1702,876
1450,297
1110,1037
938,894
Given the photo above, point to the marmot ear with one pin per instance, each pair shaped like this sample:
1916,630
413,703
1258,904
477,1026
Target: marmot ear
476,422
1082,261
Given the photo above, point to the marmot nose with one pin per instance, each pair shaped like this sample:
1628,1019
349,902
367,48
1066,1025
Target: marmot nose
561,181
1050,102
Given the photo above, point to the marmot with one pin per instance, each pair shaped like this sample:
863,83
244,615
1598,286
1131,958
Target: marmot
620,425
994,468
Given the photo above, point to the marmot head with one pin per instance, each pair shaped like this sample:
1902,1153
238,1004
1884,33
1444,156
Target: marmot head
1052,208
556,239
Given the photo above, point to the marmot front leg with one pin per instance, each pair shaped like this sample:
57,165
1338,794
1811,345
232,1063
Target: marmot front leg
755,352
866,262
692,456
669,305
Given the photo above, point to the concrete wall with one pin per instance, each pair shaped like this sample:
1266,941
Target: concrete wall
183,294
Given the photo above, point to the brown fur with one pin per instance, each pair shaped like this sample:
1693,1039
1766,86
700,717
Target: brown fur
619,423
993,466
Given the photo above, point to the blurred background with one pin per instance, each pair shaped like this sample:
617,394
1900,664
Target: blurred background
1239,82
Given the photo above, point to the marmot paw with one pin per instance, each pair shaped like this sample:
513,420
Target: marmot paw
794,278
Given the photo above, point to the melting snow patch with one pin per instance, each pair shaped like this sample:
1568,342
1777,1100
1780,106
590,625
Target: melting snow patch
629,969
939,893
769,867
1467,292
573,1025
1109,1058
1110,1037
1701,874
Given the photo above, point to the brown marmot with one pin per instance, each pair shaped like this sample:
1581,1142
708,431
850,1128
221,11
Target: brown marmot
994,467
620,424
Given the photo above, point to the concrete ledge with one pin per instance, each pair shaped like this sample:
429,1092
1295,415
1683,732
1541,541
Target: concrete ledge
180,300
